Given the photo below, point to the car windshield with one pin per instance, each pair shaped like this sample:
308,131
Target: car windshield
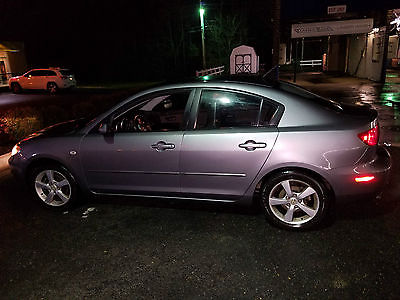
298,91
66,72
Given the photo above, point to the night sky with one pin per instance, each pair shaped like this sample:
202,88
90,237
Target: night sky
123,40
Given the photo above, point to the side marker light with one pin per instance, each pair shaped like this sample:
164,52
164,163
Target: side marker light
364,178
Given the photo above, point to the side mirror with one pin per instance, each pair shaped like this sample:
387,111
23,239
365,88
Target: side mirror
104,128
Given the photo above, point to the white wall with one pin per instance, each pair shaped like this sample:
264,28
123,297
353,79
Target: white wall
393,47
369,57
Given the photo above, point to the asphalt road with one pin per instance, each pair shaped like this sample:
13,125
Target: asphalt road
127,248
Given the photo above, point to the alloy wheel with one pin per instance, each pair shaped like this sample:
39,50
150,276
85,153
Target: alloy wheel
52,88
293,201
53,188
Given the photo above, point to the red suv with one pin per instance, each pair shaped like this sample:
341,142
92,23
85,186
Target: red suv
51,79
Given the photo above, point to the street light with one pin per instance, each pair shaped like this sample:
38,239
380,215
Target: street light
202,12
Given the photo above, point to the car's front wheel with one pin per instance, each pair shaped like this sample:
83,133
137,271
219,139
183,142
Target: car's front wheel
53,186
293,200
16,88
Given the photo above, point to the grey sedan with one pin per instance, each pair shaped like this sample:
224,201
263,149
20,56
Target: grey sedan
221,140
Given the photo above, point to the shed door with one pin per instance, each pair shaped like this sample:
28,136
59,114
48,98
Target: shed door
242,63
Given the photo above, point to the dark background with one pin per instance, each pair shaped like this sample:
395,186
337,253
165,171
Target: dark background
140,40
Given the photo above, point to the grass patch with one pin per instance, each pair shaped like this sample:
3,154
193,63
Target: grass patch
18,122
119,85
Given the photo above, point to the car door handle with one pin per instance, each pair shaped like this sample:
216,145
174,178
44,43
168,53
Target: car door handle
252,145
161,146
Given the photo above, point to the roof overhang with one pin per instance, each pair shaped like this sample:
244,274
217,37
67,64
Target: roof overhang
9,47
354,26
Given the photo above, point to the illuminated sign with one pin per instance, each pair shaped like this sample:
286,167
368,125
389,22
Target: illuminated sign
396,19
337,9
332,28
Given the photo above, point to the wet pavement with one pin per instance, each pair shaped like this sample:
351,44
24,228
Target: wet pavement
385,98
141,249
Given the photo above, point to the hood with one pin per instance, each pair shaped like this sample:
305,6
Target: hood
60,129
64,128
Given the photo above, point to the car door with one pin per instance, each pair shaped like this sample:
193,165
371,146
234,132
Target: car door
36,79
28,80
230,142
140,155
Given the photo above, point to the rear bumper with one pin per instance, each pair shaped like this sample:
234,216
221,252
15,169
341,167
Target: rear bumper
69,84
346,188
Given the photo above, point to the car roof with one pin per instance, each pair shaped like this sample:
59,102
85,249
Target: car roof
255,79
50,68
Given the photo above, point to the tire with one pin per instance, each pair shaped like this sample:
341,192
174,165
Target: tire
16,88
295,201
52,87
53,186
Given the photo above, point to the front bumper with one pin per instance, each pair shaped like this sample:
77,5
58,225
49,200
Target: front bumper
17,165
346,188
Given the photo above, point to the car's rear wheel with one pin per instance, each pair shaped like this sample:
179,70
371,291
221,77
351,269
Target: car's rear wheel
53,186
52,87
293,200
16,88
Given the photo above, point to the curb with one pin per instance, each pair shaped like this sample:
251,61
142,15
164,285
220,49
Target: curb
4,161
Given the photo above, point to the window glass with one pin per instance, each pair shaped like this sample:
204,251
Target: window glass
35,73
222,109
49,73
164,112
66,72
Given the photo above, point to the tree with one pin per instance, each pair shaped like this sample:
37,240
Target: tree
223,34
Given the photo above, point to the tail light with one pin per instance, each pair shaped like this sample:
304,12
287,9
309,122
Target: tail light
371,136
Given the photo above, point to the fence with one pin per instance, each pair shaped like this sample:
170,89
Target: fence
311,63
4,78
212,71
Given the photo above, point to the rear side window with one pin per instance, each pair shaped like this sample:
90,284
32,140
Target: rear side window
224,109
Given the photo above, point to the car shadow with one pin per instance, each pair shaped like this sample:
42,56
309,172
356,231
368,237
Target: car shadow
181,204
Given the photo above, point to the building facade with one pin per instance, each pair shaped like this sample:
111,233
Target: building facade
12,60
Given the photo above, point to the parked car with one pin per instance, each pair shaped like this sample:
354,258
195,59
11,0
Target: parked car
217,140
51,79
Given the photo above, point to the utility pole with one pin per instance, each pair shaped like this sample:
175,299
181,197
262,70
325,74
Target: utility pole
385,46
276,18
202,11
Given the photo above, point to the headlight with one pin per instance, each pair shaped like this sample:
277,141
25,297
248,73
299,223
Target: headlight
15,150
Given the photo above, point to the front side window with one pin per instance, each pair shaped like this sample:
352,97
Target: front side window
163,112
40,73
34,73
224,109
